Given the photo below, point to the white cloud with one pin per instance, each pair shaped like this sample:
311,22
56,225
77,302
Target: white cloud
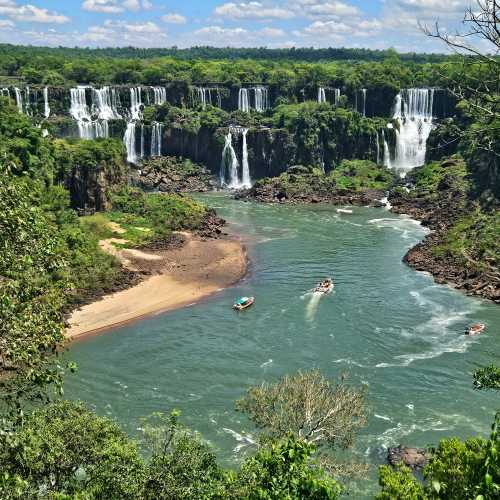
6,24
252,10
271,32
322,8
146,27
174,19
115,6
30,13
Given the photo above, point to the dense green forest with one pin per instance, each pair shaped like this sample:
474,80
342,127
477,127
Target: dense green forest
59,194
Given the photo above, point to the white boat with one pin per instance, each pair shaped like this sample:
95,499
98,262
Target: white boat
475,329
344,211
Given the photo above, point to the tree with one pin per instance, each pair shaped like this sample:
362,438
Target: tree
283,470
308,406
65,449
487,378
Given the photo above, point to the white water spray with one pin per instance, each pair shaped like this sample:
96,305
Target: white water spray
321,95
364,101
136,103
229,165
160,96
129,141
243,101
387,152
19,100
104,104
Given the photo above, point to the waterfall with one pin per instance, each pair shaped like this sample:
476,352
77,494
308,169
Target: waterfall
19,100
364,101
104,104
46,102
321,95
79,110
246,181
142,154
387,152
413,110
337,96
129,141
160,96
156,138
229,164
243,102
378,146
5,92
261,99
136,103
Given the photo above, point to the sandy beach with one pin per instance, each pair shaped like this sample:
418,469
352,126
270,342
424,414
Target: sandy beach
178,277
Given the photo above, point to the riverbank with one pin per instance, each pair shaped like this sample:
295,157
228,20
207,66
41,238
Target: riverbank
462,249
178,277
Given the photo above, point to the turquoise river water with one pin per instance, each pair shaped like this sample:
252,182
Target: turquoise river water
385,325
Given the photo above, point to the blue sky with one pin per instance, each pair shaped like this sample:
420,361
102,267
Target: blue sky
246,23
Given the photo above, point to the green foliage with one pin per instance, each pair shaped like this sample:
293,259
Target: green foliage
399,483
66,449
457,470
284,470
487,378
362,174
161,213
32,287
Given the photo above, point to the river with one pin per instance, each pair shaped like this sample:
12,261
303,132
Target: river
385,325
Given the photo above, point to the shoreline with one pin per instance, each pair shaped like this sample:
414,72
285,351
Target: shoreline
179,278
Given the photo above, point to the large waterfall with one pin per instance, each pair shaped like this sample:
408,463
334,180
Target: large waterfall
156,139
229,170
87,128
413,110
46,106
229,165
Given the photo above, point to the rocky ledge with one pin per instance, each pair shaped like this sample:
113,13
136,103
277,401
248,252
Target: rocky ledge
353,183
172,175
414,458
441,209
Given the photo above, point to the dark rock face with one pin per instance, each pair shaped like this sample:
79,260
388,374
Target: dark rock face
168,175
414,458
88,186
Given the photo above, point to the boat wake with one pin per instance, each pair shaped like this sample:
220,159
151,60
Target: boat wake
312,305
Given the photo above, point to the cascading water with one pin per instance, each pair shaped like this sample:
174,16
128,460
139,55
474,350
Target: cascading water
413,110
46,106
19,100
229,165
243,101
129,141
364,101
5,92
377,143
246,181
104,104
321,95
387,152
142,153
136,103
336,96
156,139
160,96
261,99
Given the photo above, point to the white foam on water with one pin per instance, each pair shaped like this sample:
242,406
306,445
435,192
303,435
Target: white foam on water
349,361
383,417
244,439
312,305
266,363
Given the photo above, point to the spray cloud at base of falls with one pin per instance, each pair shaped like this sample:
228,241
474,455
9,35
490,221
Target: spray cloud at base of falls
229,169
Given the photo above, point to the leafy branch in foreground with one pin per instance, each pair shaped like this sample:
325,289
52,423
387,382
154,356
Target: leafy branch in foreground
487,378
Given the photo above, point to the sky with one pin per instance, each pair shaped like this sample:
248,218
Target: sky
375,24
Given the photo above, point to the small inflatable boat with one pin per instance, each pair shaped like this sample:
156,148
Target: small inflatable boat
243,303
475,329
325,287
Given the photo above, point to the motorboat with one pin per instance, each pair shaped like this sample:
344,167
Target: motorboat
475,329
243,303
